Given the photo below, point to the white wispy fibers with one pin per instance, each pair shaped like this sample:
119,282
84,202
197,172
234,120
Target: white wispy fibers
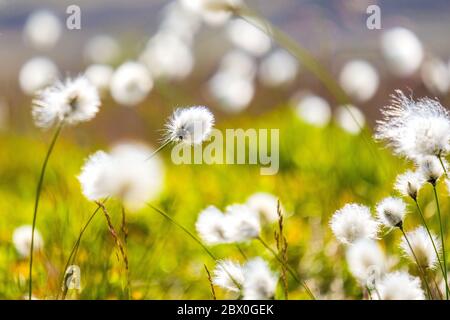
402,51
130,84
409,183
359,79
353,222
191,125
430,168
22,240
212,226
36,74
260,282
242,222
100,76
435,76
42,29
248,37
350,118
391,212
278,68
265,204
167,56
400,286
422,248
313,109
126,173
102,49
213,12
73,101
366,261
233,92
415,128
228,275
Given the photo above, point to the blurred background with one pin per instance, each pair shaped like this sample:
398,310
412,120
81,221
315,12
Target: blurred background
187,56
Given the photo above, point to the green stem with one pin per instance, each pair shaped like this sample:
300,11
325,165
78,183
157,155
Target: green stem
36,205
421,270
289,269
442,241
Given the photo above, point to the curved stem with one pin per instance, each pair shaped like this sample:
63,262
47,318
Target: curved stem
161,147
444,258
36,205
289,269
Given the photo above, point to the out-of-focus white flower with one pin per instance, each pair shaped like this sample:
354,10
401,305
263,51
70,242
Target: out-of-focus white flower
366,261
212,226
22,240
228,275
350,118
265,204
233,92
100,76
239,64
42,29
260,282
167,56
422,248
415,128
402,51
278,68
248,37
130,84
190,125
435,76
353,222
409,183
102,49
359,79
213,12
36,74
243,223
125,173
391,212
430,168
313,109
74,101
400,286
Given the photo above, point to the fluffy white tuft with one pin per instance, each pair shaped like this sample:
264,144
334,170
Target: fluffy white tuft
228,275
260,282
366,261
409,183
22,240
391,211
265,204
422,248
400,286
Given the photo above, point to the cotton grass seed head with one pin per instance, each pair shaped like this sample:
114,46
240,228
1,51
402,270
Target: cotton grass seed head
391,212
353,222
409,183
430,168
212,226
228,275
73,101
415,129
190,125
400,286
260,282
265,204
243,223
36,74
22,240
366,261
422,247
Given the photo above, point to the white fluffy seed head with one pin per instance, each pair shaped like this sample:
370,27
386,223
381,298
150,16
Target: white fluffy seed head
391,212
313,109
430,168
42,29
228,275
191,125
353,222
74,101
436,76
409,183
22,240
366,261
102,49
126,173
350,118
213,12
243,223
212,226
260,282
415,129
248,37
265,204
130,84
36,74
359,79
422,247
400,286
279,68
100,76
